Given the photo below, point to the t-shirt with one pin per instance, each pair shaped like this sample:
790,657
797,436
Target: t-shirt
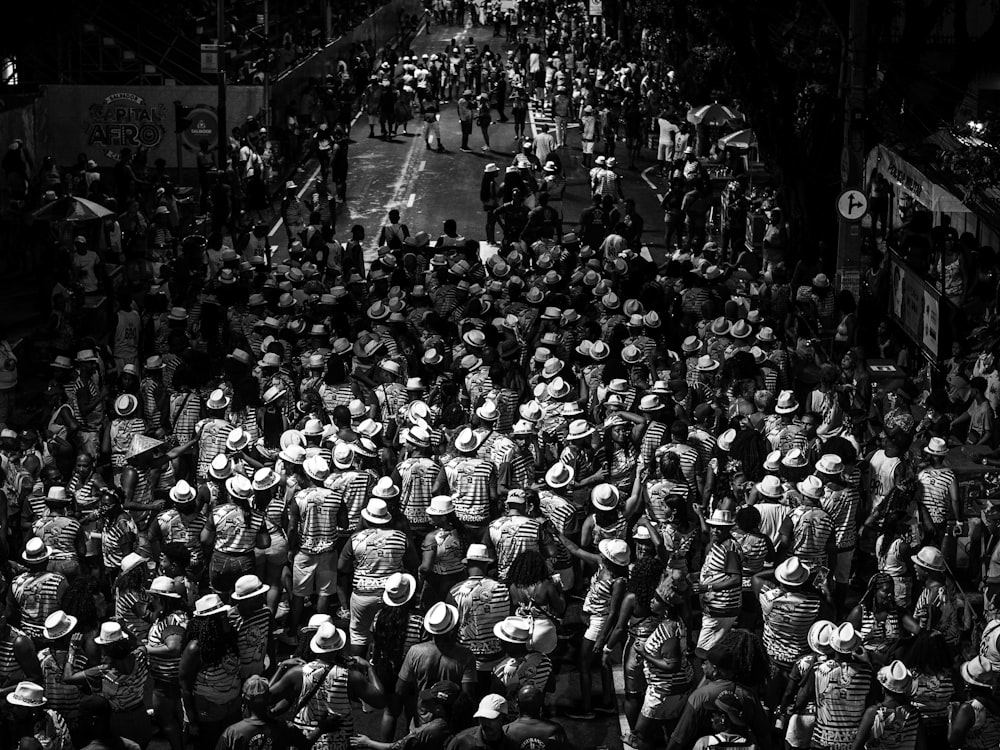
472,739
424,664
535,734
255,734
430,736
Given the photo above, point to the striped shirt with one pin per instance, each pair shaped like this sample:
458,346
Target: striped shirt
811,527
937,483
176,528
10,669
512,535
415,632
37,596
164,668
185,411
449,551
378,553
335,395
842,507
788,615
565,518
126,602
417,476
894,728
725,603
931,696
212,434
690,461
317,529
470,480
841,698
597,602
937,608
658,492
236,529
252,632
115,536
352,488
653,437
753,548
219,683
121,433
63,698
125,691
515,673
482,603
879,635
662,683
331,697
60,533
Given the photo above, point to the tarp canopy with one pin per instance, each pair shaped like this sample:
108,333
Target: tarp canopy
908,178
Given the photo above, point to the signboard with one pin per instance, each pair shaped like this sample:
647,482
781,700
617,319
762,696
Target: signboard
852,205
916,307
204,127
210,58
595,7
125,120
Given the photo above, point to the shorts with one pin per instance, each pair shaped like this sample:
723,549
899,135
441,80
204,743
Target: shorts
712,630
224,569
664,152
314,573
596,622
842,567
662,707
632,671
588,147
364,607
800,730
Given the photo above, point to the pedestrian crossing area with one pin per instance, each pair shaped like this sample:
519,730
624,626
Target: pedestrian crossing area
540,113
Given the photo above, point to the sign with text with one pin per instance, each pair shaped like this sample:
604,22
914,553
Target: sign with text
124,119
916,307
204,127
210,58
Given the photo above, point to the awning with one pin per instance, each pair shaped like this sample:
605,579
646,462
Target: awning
912,181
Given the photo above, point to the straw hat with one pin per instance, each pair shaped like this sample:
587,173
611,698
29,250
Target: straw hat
111,632
237,440
218,400
559,475
126,405
376,512
208,605
579,429
558,388
477,553
819,636
164,586
36,551
440,618
58,624
385,488
615,551
830,464
28,695
265,479
249,586
599,351
770,486
936,447
845,639
239,486
811,487
707,364
57,495
929,558
786,403
468,441
977,671
440,505
399,589
343,456
132,560
605,496
513,629
328,639
488,411
895,677
795,459
721,518
791,572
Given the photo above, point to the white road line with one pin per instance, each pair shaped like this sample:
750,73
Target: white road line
410,201
422,165
275,228
308,182
619,677
652,185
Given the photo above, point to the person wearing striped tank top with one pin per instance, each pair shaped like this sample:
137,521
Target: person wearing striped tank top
183,522
813,538
164,644
37,592
975,725
369,557
520,666
18,657
123,673
516,531
482,602
520,467
692,467
131,596
841,505
939,496
62,534
442,551
790,606
252,622
419,476
233,530
351,483
473,482
720,580
62,697
315,517
842,686
325,686
564,518
929,661
879,620
209,672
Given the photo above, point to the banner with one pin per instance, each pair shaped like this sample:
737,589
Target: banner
916,307
906,177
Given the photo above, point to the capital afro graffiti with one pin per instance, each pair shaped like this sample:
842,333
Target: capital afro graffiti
125,120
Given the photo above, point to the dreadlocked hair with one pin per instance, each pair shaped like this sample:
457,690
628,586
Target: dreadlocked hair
214,640
747,656
751,449
134,580
527,568
389,639
646,575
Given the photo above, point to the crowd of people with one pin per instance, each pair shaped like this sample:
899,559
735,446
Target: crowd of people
289,497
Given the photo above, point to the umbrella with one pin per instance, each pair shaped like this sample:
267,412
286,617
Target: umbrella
71,208
713,114
741,139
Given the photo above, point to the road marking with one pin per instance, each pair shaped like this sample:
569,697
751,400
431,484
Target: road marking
308,182
422,165
651,184
410,200
276,227
619,675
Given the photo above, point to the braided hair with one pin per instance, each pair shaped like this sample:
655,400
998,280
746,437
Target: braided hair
644,579
750,448
527,568
746,656
389,639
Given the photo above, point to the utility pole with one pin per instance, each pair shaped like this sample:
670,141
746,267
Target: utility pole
852,160
220,22
267,67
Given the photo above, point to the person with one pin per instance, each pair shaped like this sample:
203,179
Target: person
976,722
894,719
436,710
259,728
31,718
441,657
842,685
729,724
489,731
530,730
466,114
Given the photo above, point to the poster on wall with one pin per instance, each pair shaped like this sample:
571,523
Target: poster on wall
125,120
915,306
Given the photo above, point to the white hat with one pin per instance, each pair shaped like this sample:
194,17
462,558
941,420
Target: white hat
132,560
707,364
441,505
237,440
111,632
773,461
239,486
929,558
791,572
208,605
786,403
726,439
218,400
265,479
492,706
513,629
467,440
376,512
605,496
182,492
385,488
721,518
164,586
36,551
844,639
126,405
818,637
770,486
221,467
488,411
58,624
895,677
249,586
28,694
399,588
811,487
316,468
795,459
559,475
977,671
831,464
328,639
477,553
615,551
343,456
440,618
936,447
579,428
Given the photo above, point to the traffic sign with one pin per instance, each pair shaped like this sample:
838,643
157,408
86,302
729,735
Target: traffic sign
204,126
852,205
210,58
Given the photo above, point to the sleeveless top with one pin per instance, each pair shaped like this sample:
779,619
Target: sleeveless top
676,682
164,669
482,603
597,603
678,545
985,732
174,528
61,697
841,695
125,602
219,683
894,728
36,597
725,603
878,635
126,343
512,535
251,639
234,532
615,531
125,691
449,551
60,533
121,432
10,670
331,697
378,553
931,696
417,476
788,615
317,519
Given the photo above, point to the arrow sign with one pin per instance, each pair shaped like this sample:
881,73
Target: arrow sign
852,205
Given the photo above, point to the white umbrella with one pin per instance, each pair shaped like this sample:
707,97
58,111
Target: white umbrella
713,114
741,139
